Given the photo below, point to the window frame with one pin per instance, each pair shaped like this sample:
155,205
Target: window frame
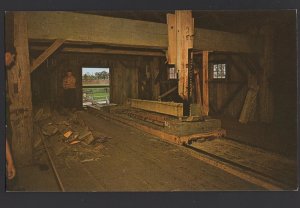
211,69
174,73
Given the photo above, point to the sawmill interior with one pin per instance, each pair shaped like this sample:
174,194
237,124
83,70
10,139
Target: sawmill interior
103,101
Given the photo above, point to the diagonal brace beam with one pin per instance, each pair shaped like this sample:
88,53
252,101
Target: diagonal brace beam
48,52
167,93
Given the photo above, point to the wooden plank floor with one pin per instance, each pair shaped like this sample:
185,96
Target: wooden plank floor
134,161
269,164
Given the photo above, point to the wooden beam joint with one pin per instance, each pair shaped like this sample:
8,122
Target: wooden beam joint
46,54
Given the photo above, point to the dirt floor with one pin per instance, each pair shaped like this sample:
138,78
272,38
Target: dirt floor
130,161
134,161
35,178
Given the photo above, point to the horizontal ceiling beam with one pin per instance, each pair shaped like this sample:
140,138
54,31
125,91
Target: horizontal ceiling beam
212,40
97,29
102,51
124,32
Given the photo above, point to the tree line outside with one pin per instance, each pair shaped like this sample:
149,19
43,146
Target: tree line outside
98,75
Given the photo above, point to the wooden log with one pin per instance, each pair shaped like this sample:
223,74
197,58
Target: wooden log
48,52
205,98
19,86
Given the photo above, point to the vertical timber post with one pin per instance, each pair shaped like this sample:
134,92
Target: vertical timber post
266,107
180,40
19,86
184,42
205,97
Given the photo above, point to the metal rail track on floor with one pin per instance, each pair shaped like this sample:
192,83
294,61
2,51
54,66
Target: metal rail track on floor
57,176
235,169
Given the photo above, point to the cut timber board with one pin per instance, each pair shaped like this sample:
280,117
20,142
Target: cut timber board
169,108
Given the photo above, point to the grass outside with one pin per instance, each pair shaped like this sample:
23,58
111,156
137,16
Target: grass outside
94,85
97,94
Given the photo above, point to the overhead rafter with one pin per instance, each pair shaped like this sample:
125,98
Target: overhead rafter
125,32
103,51
48,52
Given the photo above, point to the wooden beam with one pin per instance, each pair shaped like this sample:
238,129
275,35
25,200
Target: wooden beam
104,51
213,40
19,87
248,63
97,29
169,108
167,93
237,66
266,95
48,52
154,71
198,89
232,97
184,42
172,49
197,86
249,105
205,98
124,32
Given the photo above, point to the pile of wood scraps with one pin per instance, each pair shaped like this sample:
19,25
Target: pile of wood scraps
68,136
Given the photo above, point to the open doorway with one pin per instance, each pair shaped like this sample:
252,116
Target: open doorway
95,86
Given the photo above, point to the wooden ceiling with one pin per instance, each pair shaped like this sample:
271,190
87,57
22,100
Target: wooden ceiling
230,21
